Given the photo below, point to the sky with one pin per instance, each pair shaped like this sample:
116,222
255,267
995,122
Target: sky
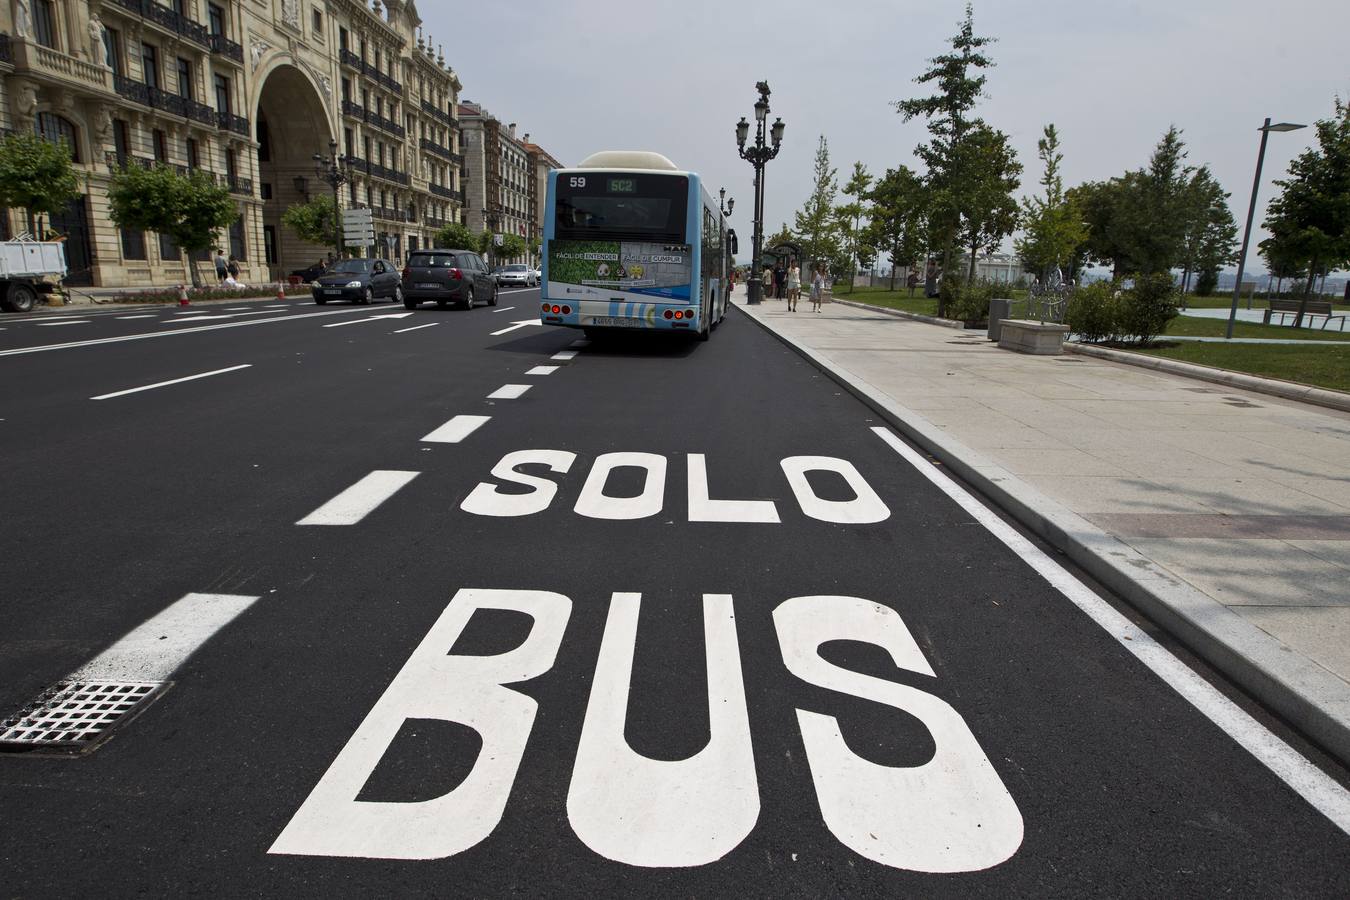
629,74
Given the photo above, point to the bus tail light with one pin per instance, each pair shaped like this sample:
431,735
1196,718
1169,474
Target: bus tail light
544,307
567,310
669,314
556,308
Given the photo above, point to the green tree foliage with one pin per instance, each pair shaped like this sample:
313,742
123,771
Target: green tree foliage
513,246
1212,240
1310,221
190,209
896,213
36,174
455,236
815,224
949,112
1093,311
1052,224
1148,306
314,222
783,235
849,216
991,173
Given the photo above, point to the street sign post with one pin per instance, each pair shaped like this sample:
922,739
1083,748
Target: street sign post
358,227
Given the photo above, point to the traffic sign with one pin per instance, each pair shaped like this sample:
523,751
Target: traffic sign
358,217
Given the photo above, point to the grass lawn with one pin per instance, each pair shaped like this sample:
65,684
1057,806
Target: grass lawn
1188,326
900,298
1217,302
1327,367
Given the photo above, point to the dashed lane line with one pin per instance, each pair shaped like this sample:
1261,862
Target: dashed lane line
361,499
504,309
543,370
509,392
402,315
417,327
63,322
564,355
141,316
160,384
456,430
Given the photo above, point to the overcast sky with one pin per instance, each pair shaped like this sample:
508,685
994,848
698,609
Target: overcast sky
604,74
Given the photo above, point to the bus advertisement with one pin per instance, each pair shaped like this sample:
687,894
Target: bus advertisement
633,243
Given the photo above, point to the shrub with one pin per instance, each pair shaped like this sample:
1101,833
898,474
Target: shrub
1146,308
1093,312
966,302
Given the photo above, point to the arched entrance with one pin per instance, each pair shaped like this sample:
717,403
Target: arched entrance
291,126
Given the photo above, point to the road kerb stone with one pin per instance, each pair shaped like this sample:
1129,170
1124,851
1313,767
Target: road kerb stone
903,314
1312,699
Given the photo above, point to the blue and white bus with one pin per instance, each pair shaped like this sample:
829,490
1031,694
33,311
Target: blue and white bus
632,242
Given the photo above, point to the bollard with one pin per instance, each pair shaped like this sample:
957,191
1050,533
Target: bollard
182,295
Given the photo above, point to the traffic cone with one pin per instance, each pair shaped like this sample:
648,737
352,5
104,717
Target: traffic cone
182,295
281,290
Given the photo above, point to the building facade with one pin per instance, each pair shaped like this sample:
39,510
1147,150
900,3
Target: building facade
499,180
540,162
249,91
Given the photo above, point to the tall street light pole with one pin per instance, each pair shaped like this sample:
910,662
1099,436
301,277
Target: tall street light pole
335,170
1266,129
758,155
725,205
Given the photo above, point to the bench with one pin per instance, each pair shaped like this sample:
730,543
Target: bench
1289,308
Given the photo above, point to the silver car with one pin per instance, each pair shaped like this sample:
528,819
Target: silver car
516,274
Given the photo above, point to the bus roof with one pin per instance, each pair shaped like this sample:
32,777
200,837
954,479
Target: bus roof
628,159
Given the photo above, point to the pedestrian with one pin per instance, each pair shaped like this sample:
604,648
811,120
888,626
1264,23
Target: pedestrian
232,267
817,287
222,268
766,291
780,281
794,286
930,280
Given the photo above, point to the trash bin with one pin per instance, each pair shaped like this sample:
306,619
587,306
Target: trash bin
999,309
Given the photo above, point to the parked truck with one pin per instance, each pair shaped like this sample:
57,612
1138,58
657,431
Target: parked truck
29,268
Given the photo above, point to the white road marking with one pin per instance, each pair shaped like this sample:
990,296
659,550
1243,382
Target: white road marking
402,315
517,291
191,312
521,324
508,392
415,327
197,318
279,306
579,344
1309,782
503,309
154,650
141,316
94,342
359,500
543,370
61,318
564,355
456,430
63,322
238,308
150,387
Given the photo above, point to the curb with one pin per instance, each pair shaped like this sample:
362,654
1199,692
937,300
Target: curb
1308,696
1289,390
902,314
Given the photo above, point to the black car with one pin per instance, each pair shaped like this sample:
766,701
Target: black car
447,276
360,281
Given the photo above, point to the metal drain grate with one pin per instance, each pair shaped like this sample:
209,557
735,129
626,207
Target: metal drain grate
73,715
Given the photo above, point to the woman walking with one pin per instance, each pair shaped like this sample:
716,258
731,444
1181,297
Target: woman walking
817,287
794,277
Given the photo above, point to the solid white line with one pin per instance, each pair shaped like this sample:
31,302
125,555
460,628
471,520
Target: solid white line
198,318
150,387
503,309
1309,782
141,316
415,327
517,291
63,322
543,370
564,355
359,500
508,392
279,306
94,342
371,319
456,430
154,650
238,308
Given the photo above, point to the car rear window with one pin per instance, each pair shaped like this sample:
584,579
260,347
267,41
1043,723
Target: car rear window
433,260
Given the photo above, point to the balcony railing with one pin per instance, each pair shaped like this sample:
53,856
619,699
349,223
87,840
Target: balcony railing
226,121
170,103
393,215
436,112
388,125
136,91
169,20
238,185
441,191
223,46
355,110
31,56
199,112
375,170
352,61
431,146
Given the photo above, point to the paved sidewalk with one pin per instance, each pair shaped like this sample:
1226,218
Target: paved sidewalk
1224,514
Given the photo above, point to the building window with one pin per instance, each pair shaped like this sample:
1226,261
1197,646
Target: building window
231,165
44,23
377,59
150,65
363,49
215,19
346,90
238,249
58,130
190,146
265,190
348,142
317,22
112,49
270,244
223,94
161,147
343,39
122,143
133,243
168,250
185,79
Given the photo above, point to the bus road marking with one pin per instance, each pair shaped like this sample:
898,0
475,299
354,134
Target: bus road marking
150,387
456,430
509,392
543,370
361,499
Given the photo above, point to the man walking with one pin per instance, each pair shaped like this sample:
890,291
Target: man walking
222,266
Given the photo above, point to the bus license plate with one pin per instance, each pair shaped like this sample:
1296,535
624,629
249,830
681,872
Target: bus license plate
621,321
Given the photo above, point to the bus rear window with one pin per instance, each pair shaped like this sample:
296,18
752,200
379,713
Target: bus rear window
602,205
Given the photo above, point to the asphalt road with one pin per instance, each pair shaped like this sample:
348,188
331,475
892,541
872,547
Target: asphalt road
676,620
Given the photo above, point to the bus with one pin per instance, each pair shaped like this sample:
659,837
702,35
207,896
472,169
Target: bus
634,243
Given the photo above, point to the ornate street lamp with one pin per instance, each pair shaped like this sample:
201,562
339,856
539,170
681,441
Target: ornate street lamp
334,170
725,205
758,155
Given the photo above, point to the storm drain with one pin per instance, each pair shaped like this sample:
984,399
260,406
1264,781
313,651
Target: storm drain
74,715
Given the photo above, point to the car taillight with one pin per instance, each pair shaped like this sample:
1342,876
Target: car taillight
406,270
457,274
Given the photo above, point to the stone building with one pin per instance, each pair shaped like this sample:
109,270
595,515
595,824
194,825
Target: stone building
248,90
540,161
498,175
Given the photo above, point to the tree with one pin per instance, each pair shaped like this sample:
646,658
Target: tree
455,236
814,223
1310,221
513,246
1152,212
1052,224
784,235
992,173
897,217
949,113
36,174
849,215
1210,235
314,222
190,208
